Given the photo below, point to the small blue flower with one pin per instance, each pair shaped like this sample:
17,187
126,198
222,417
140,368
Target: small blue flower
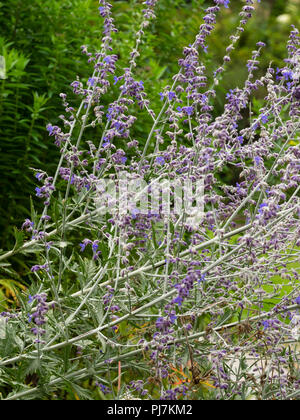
134,213
257,160
103,388
265,324
82,246
188,110
204,99
38,192
202,278
264,119
106,144
91,81
171,95
50,129
39,176
28,225
288,74
178,300
223,2
95,246
160,160
261,207
35,268
173,318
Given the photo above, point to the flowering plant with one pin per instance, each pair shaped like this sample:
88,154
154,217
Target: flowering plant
204,281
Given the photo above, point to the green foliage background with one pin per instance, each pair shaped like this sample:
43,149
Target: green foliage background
41,39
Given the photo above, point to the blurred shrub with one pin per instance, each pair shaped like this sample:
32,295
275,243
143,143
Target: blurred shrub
39,40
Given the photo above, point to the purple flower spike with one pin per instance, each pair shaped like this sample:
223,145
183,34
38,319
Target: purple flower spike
160,160
50,129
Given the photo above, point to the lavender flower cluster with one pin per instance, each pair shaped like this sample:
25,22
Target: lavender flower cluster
38,316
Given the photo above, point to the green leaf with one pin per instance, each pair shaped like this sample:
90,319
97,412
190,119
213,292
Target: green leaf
19,238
